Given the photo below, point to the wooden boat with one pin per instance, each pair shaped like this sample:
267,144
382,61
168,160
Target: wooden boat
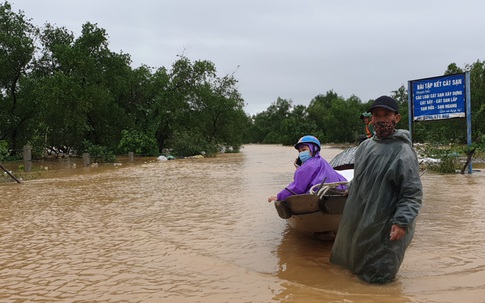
318,213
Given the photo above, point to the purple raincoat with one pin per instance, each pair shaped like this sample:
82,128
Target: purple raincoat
312,172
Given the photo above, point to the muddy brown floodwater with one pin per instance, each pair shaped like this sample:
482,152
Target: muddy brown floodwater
200,230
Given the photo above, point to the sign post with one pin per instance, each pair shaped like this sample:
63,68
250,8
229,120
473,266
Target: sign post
437,98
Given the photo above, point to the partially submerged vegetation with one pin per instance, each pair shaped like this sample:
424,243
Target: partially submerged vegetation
451,158
65,96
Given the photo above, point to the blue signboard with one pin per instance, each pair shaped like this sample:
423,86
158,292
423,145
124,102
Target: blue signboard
439,98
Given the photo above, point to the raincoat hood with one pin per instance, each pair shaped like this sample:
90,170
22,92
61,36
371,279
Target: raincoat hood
398,135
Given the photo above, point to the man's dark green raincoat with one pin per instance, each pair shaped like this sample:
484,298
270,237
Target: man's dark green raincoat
386,190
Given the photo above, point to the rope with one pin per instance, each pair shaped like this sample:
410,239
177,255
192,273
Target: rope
324,188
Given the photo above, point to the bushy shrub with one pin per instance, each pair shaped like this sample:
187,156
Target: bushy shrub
188,143
449,163
138,142
99,153
447,156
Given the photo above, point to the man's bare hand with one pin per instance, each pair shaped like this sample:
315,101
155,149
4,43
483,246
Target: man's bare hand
397,232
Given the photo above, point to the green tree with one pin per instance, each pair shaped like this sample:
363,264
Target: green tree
297,125
342,122
318,111
477,88
337,118
17,36
268,125
81,85
219,108
401,96
138,142
204,106
156,108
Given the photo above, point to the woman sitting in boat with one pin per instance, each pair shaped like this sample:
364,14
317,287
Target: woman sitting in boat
313,170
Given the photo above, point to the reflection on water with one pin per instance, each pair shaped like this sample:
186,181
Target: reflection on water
200,230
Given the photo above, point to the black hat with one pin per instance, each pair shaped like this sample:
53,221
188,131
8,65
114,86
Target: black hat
385,102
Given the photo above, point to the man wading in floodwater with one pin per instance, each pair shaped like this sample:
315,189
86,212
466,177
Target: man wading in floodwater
384,199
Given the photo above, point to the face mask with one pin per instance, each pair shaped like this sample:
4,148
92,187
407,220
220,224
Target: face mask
384,128
304,155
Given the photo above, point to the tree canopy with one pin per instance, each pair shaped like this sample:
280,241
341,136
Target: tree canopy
63,93
72,94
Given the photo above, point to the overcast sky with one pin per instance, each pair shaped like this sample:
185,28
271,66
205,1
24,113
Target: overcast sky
290,49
